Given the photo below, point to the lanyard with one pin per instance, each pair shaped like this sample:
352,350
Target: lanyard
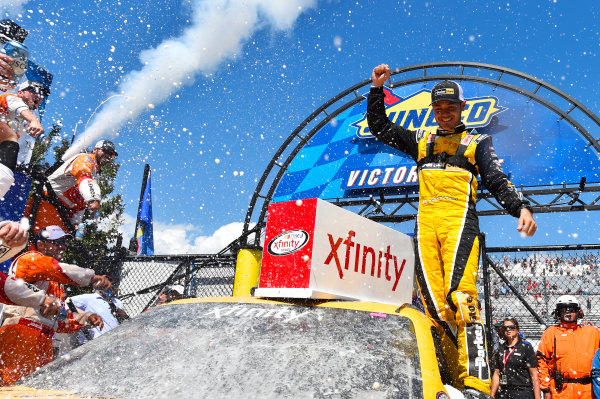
505,357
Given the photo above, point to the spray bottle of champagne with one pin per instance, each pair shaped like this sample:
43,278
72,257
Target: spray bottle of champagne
20,55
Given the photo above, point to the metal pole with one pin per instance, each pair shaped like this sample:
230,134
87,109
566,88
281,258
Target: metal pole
132,242
546,296
489,325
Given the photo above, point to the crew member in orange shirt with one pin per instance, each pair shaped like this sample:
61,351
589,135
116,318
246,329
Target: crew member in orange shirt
13,237
75,185
26,335
17,119
565,353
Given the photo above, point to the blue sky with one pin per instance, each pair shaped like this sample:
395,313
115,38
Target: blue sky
209,136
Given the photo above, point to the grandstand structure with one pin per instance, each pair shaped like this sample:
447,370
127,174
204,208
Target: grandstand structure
524,282
549,143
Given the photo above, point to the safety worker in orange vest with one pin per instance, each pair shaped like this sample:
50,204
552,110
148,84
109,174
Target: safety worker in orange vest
566,351
13,291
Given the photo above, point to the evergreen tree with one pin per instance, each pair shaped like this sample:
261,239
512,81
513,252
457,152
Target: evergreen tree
41,147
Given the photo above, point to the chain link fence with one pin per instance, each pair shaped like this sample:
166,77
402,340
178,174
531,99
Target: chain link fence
142,278
524,283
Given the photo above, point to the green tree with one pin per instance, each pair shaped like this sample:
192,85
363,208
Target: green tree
41,147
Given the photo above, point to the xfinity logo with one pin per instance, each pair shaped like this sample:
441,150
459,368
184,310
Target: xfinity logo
285,314
366,259
287,242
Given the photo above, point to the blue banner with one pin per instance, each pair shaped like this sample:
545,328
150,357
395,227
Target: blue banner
343,159
12,206
145,233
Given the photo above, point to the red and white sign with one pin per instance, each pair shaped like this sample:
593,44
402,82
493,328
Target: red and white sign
314,249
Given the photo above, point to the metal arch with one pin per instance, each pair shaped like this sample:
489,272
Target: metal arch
242,241
564,115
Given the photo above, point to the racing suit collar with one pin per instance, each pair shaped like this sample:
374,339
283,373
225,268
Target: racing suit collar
458,129
571,326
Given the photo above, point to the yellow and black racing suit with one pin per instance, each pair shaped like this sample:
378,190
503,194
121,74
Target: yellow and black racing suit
447,231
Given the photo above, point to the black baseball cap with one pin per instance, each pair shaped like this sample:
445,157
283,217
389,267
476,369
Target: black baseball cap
448,90
107,146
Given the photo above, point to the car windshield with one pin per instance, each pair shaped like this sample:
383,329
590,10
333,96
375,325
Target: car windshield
265,350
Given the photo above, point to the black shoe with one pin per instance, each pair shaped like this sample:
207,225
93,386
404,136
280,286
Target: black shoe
471,393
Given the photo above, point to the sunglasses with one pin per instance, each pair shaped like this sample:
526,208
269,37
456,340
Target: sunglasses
35,91
57,242
109,152
568,309
511,327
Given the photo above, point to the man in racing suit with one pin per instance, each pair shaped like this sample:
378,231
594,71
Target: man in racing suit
566,352
26,335
75,185
447,228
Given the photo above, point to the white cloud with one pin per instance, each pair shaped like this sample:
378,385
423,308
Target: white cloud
219,239
173,239
11,6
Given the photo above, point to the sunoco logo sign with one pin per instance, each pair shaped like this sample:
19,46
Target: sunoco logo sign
414,112
287,242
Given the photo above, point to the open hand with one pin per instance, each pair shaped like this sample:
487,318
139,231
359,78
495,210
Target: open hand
526,223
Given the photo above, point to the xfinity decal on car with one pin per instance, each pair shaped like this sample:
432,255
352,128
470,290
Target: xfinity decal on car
287,242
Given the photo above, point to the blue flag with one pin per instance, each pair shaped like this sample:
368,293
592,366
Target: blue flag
145,233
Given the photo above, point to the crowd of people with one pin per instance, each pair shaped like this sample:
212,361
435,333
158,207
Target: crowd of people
546,278
36,307
566,364
551,265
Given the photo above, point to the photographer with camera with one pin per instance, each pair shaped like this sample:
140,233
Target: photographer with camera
105,305
566,351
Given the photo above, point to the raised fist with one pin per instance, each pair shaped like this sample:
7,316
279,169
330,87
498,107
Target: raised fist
381,73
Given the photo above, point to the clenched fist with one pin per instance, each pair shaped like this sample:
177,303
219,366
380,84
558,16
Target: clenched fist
381,73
